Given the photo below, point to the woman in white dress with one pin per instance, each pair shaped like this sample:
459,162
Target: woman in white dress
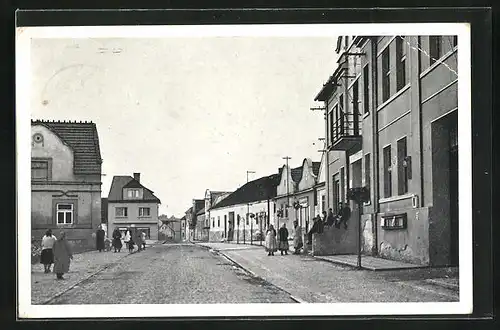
271,244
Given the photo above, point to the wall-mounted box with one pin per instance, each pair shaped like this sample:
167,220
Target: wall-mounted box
394,221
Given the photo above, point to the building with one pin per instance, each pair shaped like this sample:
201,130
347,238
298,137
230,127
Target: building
104,214
391,126
320,188
296,195
188,223
211,198
194,228
132,205
65,180
201,232
170,229
244,215
184,228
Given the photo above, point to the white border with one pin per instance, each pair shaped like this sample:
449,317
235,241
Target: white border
23,43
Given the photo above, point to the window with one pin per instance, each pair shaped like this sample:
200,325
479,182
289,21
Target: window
386,75
64,214
144,211
39,170
455,41
402,168
387,172
133,193
121,212
340,115
323,203
434,48
218,221
331,127
366,93
367,172
286,211
145,230
247,219
401,63
342,185
213,222
355,107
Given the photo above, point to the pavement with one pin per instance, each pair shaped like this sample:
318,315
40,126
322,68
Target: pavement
312,280
172,274
45,287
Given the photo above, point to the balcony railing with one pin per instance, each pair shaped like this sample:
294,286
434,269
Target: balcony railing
345,132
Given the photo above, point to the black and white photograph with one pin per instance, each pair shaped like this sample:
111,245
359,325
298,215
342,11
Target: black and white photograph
244,170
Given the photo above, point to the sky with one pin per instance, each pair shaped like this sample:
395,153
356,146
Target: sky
189,114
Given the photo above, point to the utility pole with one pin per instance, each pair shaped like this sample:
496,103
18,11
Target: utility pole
287,187
248,216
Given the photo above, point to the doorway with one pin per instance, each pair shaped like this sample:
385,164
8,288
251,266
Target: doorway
230,233
336,193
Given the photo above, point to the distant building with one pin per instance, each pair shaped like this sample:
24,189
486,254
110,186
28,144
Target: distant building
211,199
244,214
391,110
183,228
65,180
132,205
195,229
170,228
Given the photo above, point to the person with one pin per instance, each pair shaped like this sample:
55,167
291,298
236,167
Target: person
324,217
330,219
117,240
138,239
316,228
283,239
62,256
130,241
271,245
344,215
297,239
47,256
143,238
99,238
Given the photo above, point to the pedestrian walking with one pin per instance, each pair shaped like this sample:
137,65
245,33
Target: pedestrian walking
99,238
283,239
271,244
62,256
143,238
47,256
297,239
117,240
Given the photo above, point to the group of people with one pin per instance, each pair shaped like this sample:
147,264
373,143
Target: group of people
129,239
56,251
279,241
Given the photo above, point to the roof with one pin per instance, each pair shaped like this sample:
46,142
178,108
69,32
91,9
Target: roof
297,173
123,181
316,166
256,190
83,139
201,211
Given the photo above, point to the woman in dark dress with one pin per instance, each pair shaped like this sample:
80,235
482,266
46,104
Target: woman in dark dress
283,239
117,240
99,237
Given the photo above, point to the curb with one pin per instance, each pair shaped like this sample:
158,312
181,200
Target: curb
364,267
445,285
57,295
218,252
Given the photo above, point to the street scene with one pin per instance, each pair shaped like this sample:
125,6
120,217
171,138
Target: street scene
244,170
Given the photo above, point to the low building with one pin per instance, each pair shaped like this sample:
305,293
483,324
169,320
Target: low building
170,229
65,180
201,233
245,214
194,228
211,198
132,205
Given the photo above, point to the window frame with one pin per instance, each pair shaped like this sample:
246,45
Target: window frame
366,89
122,208
65,212
367,159
401,52
386,74
141,214
435,49
387,171
403,181
48,163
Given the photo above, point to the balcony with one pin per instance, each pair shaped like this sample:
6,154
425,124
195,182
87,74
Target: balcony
345,133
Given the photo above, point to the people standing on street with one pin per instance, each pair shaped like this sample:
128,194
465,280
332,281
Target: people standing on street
324,217
143,238
344,215
297,239
138,239
47,256
129,240
117,240
271,244
283,239
316,228
99,238
62,256
330,219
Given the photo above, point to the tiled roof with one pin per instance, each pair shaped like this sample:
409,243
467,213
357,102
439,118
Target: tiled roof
256,190
316,166
120,181
83,139
296,173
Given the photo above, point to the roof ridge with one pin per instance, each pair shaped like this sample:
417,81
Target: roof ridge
61,122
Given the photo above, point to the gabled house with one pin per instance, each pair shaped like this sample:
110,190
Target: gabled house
169,228
244,214
65,180
132,205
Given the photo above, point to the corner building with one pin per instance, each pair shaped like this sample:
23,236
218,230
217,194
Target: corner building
391,125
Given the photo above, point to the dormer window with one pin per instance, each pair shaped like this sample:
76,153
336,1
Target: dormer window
133,193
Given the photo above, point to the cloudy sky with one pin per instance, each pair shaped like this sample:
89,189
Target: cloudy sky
189,114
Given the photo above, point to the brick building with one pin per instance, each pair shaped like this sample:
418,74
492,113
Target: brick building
391,125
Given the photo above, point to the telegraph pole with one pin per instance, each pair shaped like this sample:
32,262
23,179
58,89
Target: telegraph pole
248,216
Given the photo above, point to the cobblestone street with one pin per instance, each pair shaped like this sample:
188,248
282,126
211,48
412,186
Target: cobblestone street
165,274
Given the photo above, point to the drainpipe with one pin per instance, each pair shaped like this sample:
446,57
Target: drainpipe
375,150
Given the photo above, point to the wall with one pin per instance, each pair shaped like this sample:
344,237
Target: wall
245,231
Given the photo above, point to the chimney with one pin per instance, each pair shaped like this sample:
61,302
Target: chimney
137,177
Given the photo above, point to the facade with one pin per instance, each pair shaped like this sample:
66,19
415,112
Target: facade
201,232
297,189
244,215
194,228
391,125
65,180
131,205
320,188
211,198
183,228
170,229
189,227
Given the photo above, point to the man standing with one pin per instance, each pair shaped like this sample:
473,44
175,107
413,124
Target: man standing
283,239
344,215
330,219
99,236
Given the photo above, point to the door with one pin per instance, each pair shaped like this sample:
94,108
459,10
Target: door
230,233
336,193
